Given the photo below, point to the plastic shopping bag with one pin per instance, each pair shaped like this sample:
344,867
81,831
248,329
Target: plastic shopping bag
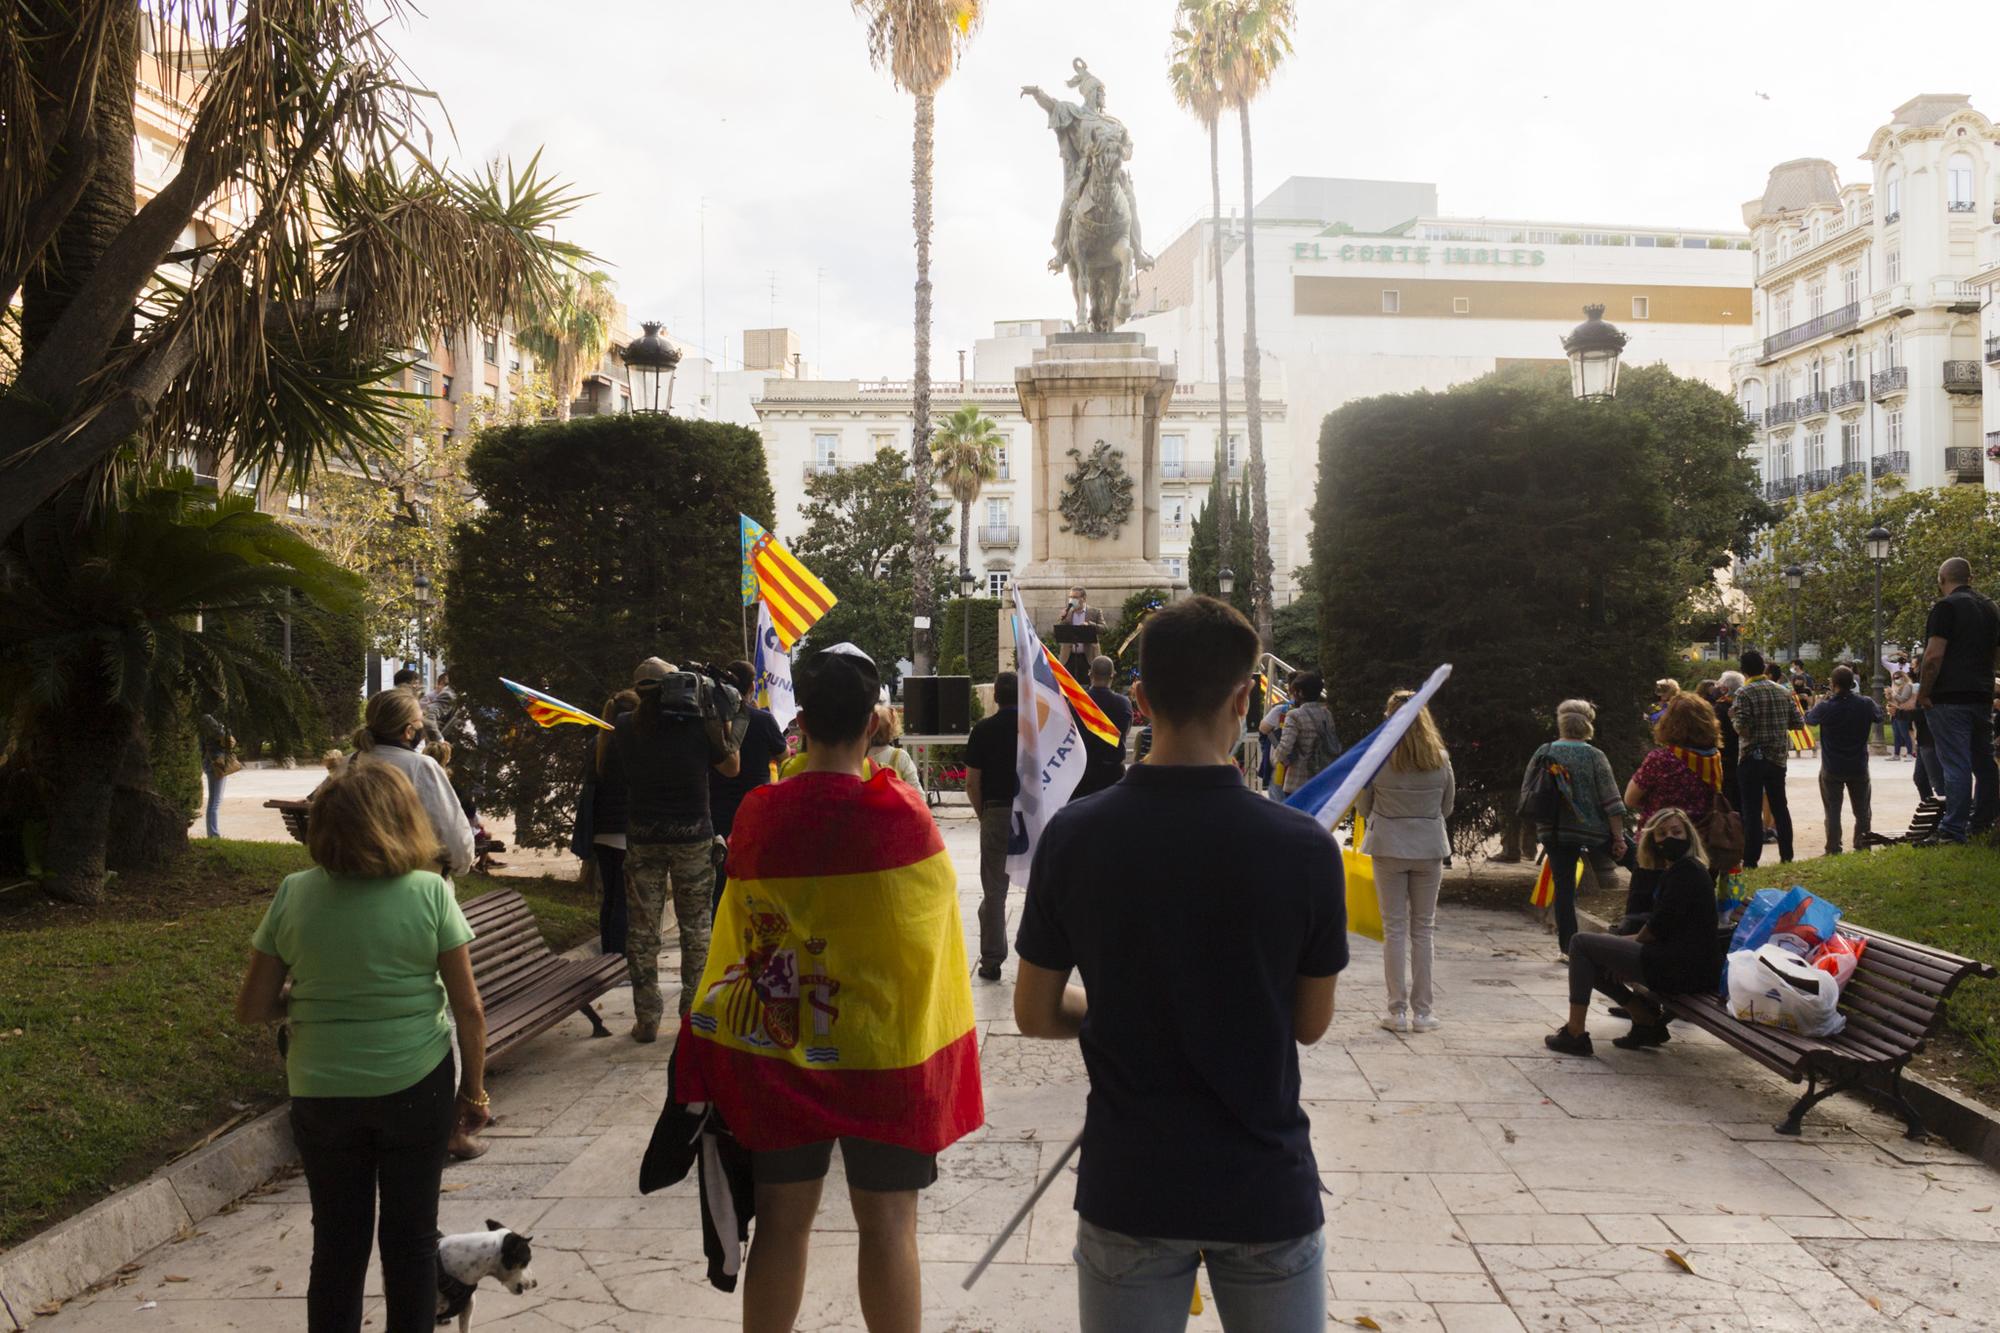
1364,909
1789,917
1838,957
1773,986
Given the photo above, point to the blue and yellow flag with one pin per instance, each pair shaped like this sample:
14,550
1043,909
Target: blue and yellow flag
752,530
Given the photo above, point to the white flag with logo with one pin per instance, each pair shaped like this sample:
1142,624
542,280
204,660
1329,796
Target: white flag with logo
1050,758
774,671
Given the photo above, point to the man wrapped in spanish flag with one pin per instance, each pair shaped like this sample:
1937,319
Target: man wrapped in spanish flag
836,1004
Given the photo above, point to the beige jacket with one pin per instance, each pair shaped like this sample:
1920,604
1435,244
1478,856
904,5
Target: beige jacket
1406,812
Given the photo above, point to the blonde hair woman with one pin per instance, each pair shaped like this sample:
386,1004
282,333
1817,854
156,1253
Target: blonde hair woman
1405,809
392,727
375,946
886,753
1675,954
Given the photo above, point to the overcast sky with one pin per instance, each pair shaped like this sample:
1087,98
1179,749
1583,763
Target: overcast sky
765,117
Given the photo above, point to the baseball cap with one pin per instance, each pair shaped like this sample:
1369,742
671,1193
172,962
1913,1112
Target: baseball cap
653,668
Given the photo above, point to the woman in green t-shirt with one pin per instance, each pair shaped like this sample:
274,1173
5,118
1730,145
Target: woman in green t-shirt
374,944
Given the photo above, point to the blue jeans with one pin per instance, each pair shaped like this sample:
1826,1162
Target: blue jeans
1762,780
1899,730
214,796
1963,736
1133,1284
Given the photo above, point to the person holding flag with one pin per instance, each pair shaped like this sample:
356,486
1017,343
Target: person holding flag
835,1005
1208,955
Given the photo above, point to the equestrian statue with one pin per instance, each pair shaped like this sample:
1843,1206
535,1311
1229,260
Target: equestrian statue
1097,228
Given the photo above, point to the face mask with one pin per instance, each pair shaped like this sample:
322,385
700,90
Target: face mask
1673,849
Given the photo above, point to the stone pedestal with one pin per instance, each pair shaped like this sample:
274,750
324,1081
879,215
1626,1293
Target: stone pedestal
1083,388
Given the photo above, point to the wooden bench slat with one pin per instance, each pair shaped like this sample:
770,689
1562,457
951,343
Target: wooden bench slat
527,988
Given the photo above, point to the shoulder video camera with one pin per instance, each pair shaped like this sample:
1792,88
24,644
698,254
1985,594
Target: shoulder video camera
700,691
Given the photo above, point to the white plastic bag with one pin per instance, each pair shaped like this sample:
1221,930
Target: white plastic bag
1773,986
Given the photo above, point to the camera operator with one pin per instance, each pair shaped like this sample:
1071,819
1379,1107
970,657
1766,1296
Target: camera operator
661,754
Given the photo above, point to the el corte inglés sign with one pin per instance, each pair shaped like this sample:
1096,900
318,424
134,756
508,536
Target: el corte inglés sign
1501,256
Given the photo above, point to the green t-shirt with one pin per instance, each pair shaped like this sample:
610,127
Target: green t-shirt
368,1006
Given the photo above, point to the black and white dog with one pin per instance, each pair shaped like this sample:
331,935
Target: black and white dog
466,1260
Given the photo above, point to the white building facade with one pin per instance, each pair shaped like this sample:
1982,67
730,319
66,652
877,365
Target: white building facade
815,426
1350,306
1867,351
1987,279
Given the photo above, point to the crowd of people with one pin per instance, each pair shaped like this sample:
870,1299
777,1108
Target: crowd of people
1189,999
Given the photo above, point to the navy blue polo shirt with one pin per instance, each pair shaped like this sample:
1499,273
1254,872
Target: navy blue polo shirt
1189,907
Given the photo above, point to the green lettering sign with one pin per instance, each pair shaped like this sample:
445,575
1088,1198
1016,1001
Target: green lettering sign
1475,256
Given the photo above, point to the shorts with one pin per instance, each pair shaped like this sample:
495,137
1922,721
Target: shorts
880,1167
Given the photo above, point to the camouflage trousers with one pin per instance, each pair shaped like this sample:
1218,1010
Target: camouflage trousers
655,872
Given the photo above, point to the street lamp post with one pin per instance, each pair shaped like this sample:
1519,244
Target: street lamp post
968,583
650,360
1794,577
1878,542
422,586
1225,582
1593,348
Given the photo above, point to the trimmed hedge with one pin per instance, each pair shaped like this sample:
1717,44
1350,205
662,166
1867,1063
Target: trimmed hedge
985,613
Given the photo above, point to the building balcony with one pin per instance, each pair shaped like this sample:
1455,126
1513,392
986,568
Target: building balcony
998,536
1781,488
1819,326
1961,298
1811,405
1842,471
1993,350
1780,414
1176,532
1963,377
1853,394
1960,206
1891,383
1895,463
1965,463
822,467
1814,480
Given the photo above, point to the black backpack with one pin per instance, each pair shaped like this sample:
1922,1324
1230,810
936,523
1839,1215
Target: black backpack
1542,797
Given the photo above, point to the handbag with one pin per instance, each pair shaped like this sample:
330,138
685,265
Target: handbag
1364,909
1722,833
227,763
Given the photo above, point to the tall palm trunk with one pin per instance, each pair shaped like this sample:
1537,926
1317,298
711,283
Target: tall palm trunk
1253,402
923,556
965,534
1220,487
86,767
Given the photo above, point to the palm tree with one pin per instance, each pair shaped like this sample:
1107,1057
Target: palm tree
1255,37
1195,78
116,622
966,450
920,42
570,332
274,341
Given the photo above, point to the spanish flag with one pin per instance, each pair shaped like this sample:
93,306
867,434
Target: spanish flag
836,999
796,598
1088,714
549,710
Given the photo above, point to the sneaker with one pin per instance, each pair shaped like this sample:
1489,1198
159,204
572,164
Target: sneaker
1394,1022
1424,1023
1562,1043
1643,1035
989,971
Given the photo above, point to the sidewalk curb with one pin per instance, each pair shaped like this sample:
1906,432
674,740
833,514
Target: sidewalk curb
84,1250
1970,1126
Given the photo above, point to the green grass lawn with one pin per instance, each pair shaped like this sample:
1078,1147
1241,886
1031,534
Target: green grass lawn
117,1048
1946,897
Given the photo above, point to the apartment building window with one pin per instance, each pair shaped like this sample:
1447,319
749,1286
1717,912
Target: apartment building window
880,440
1893,267
1642,307
1392,301
1235,457
996,583
1816,298
1461,305
1175,566
422,383
1890,349
447,388
1958,184
1815,450
1892,430
826,450
1002,469
1781,310
1892,195
996,513
1850,442
1850,284
489,346
1173,455
1174,511
1816,377
1851,364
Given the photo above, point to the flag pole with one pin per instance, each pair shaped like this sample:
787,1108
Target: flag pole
1021,1214
744,615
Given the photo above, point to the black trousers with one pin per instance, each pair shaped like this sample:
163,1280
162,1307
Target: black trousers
1603,963
1761,780
354,1148
611,913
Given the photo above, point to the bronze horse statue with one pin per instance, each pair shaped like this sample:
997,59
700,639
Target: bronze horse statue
1100,244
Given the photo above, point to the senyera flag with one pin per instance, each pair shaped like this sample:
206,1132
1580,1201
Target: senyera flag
797,599
1332,790
1087,712
550,711
836,1000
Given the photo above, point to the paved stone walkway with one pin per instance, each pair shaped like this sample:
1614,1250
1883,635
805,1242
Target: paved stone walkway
1475,1183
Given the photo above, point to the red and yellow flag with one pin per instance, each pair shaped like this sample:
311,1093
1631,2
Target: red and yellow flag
836,999
1088,714
1545,886
795,596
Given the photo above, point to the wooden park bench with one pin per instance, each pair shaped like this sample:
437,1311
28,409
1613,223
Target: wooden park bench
1894,1000
1922,824
294,814
528,988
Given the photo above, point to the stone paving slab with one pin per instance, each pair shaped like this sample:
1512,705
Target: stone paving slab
1475,1184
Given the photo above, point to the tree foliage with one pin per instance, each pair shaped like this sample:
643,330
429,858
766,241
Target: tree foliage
1825,535
1205,565
570,330
598,542
1531,541
858,541
984,613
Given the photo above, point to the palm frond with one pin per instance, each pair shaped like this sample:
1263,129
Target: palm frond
919,42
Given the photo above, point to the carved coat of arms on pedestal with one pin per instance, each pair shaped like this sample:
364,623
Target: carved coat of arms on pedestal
1097,494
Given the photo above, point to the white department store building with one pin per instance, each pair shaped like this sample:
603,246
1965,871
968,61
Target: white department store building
814,426
1363,288
1867,358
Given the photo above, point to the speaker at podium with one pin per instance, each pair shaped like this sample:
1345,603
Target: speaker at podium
937,705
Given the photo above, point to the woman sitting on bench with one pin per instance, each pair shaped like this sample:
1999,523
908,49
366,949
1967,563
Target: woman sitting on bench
1674,954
